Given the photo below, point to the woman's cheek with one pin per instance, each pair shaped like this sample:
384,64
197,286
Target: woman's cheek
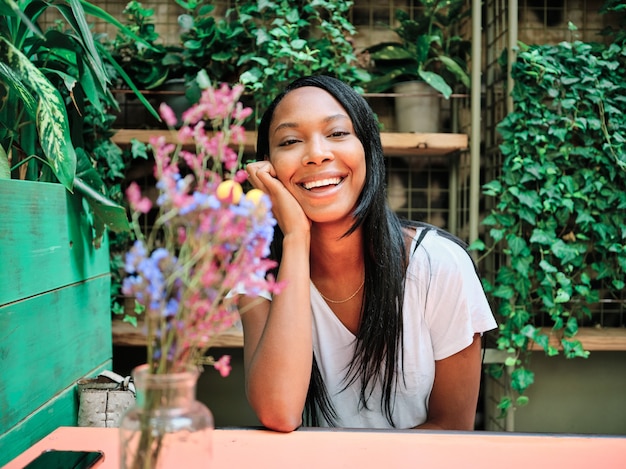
283,173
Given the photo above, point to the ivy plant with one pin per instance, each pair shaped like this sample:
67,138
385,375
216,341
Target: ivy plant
559,203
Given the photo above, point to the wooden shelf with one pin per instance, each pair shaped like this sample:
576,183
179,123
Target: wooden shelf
593,339
412,144
394,143
125,334
610,339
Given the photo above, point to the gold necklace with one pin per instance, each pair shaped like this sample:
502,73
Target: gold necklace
347,299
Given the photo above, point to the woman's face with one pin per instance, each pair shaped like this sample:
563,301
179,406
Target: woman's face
316,154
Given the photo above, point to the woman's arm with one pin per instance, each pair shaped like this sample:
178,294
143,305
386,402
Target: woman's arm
278,345
453,399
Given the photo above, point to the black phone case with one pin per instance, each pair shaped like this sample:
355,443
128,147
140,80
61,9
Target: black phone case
60,459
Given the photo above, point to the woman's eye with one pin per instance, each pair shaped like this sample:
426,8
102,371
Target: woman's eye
287,142
339,133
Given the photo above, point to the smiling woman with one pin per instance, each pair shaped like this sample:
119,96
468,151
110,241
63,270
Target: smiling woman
365,333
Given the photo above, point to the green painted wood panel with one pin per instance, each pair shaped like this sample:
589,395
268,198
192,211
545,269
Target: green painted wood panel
55,318
44,240
49,341
61,410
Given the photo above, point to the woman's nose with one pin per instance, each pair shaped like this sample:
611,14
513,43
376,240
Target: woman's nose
317,151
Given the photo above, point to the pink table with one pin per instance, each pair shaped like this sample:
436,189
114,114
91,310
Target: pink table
328,449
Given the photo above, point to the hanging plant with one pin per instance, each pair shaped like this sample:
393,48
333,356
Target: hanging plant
559,202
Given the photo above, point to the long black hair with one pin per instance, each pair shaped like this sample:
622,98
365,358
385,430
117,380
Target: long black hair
379,338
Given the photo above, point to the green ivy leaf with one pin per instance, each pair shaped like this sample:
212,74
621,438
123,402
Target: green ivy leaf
540,236
528,215
510,361
477,245
562,296
493,188
517,245
522,265
618,284
487,285
522,401
521,378
497,235
547,267
505,292
573,349
571,327
585,217
504,404
495,370
565,252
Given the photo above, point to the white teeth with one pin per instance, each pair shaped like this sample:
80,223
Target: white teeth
321,183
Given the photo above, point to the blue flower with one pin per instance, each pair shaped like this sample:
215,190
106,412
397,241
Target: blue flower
134,257
171,308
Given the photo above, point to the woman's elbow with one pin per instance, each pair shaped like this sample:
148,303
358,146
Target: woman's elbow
276,421
279,409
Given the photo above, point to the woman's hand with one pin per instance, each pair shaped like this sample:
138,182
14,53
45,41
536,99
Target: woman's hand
287,211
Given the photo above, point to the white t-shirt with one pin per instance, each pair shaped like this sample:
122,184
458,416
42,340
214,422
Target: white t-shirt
444,306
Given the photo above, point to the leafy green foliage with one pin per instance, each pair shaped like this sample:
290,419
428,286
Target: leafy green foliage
559,201
429,50
47,80
147,63
293,39
47,115
210,43
262,44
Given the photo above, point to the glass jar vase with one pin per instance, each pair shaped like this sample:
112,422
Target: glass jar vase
167,427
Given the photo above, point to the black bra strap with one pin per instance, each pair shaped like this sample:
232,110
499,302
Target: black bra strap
420,238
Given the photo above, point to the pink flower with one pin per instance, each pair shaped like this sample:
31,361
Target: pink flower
223,365
205,246
137,202
185,134
237,134
230,159
168,115
241,176
241,113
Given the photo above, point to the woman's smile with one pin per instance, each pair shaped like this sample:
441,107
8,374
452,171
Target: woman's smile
322,183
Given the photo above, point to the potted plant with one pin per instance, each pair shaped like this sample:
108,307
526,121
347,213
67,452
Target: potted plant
141,62
212,43
292,41
262,45
206,43
430,58
148,63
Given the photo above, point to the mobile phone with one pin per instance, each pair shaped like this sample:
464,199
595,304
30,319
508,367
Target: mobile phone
61,459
